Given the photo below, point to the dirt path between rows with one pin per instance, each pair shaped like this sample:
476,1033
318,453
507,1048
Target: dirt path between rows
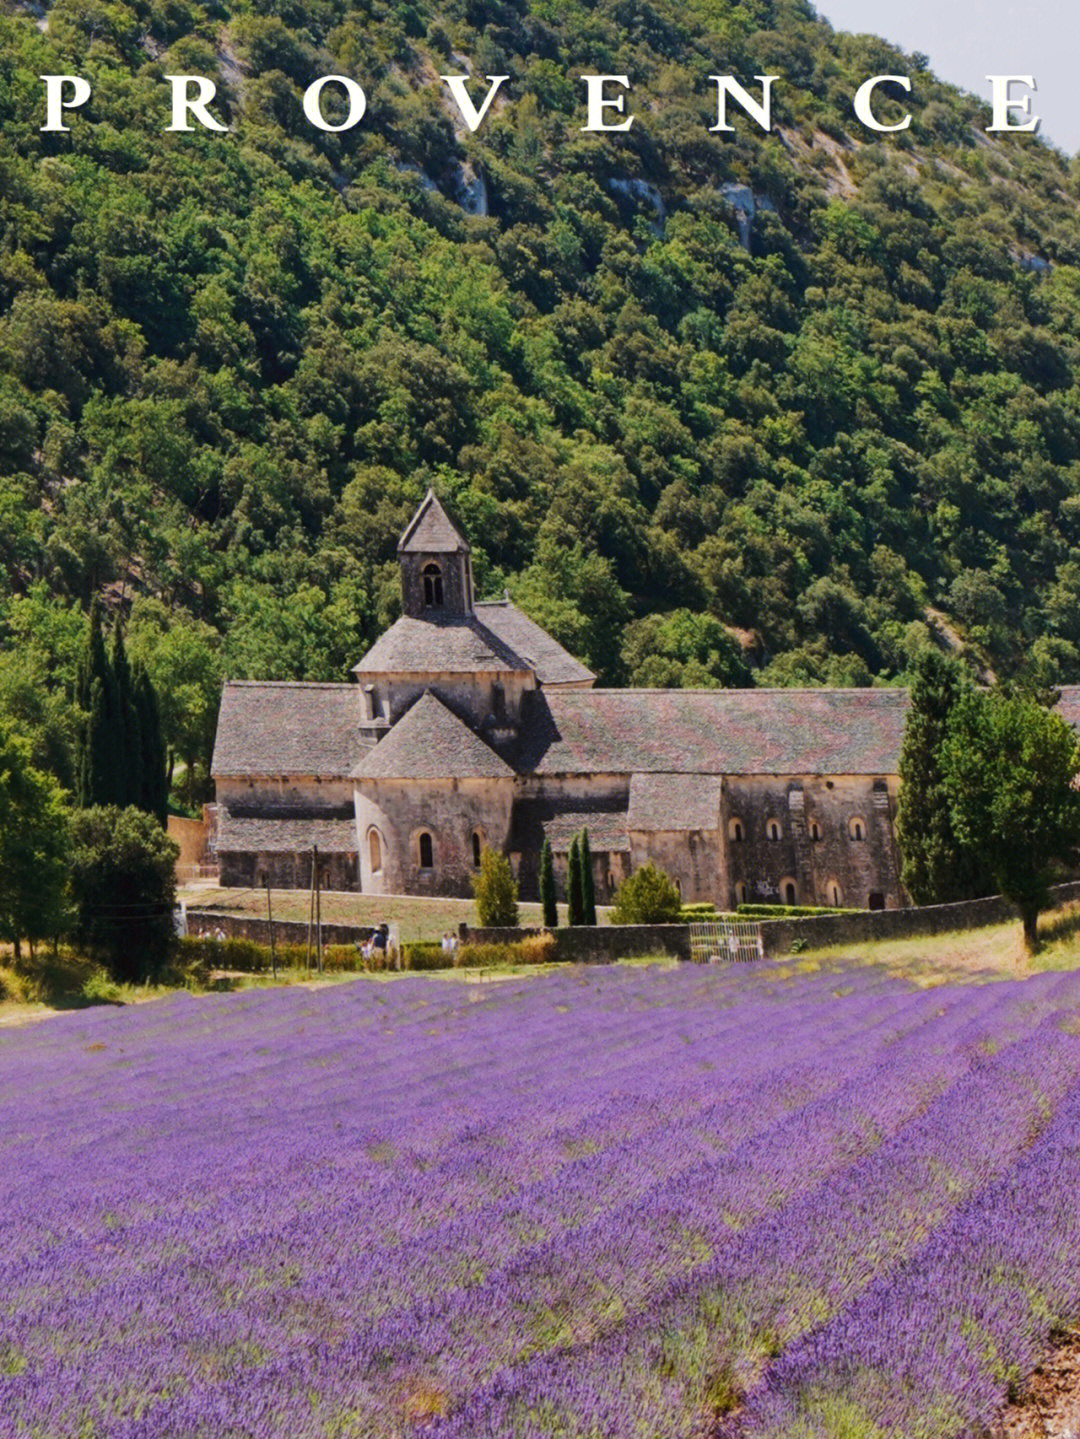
1050,1407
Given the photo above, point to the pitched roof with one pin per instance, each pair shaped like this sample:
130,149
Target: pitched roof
713,731
545,655
284,832
674,801
444,646
432,531
559,820
286,728
430,742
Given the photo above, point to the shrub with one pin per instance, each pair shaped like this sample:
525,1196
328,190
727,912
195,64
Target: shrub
649,896
789,911
533,949
496,892
123,883
425,956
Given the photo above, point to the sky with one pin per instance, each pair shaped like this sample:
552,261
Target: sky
970,39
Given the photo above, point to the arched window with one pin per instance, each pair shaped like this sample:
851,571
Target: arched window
735,831
836,898
477,847
815,831
740,894
375,850
857,829
772,829
433,588
427,851
790,891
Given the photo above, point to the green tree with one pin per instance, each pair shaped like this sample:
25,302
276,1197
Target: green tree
123,886
649,896
937,868
588,884
575,892
124,736
548,902
97,775
496,891
153,796
1010,771
33,848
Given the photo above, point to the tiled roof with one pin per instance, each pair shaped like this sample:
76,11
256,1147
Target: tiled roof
674,801
432,531
713,731
1069,704
430,742
282,832
287,729
448,646
535,820
553,664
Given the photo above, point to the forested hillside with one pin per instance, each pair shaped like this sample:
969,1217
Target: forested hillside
700,446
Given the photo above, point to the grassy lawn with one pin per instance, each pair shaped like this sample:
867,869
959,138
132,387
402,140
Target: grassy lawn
416,918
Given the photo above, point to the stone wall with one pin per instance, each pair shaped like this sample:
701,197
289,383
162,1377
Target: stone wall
203,922
826,931
602,944
286,869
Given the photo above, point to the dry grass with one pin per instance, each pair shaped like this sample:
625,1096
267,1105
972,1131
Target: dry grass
417,919
996,952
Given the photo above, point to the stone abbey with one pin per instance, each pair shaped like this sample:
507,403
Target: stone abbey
467,725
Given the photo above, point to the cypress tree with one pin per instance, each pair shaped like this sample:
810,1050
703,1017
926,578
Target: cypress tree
588,886
125,739
547,888
93,693
574,893
936,867
154,795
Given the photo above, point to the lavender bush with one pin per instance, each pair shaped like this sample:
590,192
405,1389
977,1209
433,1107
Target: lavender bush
612,1203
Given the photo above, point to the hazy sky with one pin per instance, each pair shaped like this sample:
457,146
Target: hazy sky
968,41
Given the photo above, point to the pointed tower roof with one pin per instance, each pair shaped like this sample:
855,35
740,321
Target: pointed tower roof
430,742
431,531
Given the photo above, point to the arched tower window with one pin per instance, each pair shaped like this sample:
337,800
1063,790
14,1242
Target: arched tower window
835,894
815,831
433,587
790,891
427,851
375,850
741,894
772,829
477,846
857,829
735,831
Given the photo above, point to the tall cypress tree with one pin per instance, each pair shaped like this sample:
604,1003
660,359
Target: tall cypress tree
588,886
574,892
125,739
547,888
94,768
154,794
936,867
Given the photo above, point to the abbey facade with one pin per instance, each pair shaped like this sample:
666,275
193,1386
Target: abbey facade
467,725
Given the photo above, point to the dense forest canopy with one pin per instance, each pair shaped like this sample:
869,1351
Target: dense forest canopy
700,446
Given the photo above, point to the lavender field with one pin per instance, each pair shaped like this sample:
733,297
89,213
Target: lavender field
619,1202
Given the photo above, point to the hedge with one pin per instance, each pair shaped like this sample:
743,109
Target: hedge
534,949
789,911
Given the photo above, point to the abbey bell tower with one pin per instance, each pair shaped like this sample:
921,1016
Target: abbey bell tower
436,566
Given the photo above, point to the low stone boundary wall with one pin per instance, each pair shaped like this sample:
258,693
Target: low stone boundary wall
827,930
205,923
600,944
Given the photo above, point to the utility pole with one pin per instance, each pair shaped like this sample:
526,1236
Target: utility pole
318,909
270,923
311,909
